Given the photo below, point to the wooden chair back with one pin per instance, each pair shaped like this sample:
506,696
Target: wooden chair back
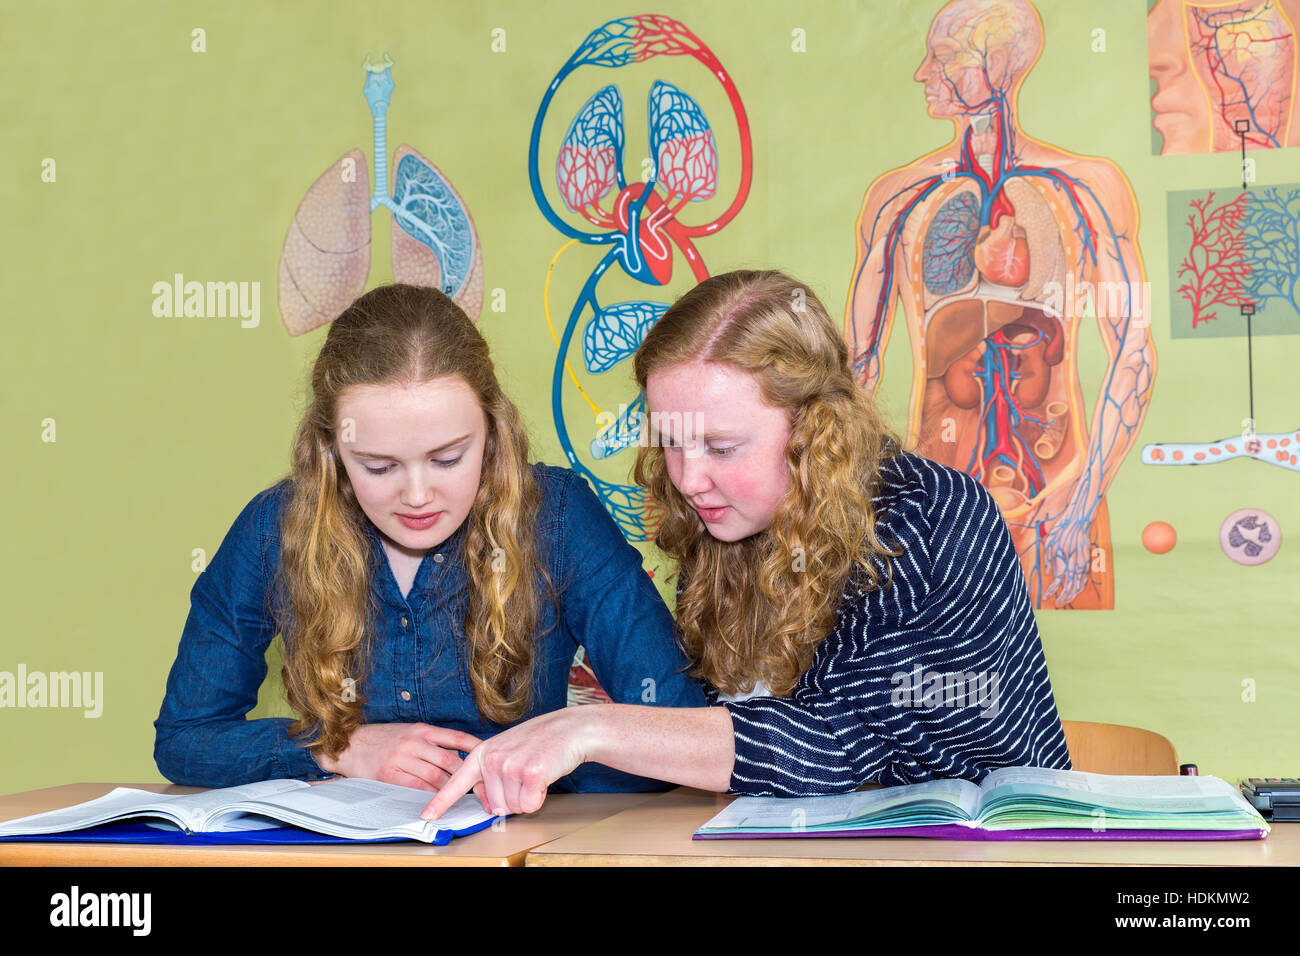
1113,748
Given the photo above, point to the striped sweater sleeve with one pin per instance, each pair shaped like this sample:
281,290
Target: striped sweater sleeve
939,674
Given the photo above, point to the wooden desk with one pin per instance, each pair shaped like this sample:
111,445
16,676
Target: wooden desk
658,833
561,813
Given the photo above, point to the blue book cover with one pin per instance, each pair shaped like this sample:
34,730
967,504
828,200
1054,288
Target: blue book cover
164,835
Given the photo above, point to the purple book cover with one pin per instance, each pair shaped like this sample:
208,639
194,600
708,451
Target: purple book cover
951,831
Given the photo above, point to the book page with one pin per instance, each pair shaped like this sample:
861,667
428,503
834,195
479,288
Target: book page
365,805
1149,793
199,807
186,810
779,813
119,803
235,822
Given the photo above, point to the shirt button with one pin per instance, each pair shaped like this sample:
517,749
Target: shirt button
404,621
406,695
438,558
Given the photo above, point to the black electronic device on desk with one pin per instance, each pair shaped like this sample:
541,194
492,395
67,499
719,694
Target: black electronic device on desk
1277,798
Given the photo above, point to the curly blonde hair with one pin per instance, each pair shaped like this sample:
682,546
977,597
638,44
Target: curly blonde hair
756,609
325,606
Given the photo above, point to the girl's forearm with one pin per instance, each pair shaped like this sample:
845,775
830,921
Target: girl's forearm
689,746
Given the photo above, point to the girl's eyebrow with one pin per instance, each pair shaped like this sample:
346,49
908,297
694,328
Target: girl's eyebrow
434,451
709,439
721,434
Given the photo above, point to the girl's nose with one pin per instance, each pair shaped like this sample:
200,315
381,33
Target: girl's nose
695,475
418,490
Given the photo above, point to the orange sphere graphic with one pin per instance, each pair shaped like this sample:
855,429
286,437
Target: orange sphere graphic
1159,537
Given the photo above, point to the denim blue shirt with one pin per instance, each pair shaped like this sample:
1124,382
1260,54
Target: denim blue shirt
417,670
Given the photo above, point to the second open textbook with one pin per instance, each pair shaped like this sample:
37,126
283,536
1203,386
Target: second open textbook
1012,803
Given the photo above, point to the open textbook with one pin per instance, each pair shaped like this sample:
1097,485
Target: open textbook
349,808
1011,803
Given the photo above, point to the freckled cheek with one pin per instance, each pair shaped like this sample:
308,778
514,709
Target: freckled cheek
743,491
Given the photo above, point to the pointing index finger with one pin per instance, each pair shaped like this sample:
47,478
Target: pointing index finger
461,783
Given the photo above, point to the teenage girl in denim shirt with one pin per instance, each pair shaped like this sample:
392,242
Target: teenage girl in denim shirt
430,584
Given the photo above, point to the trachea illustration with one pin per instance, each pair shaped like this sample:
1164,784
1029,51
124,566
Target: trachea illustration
640,227
326,257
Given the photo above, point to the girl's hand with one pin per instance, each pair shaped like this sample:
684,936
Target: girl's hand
517,765
411,755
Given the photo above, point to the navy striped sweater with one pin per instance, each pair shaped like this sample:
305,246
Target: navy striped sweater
939,675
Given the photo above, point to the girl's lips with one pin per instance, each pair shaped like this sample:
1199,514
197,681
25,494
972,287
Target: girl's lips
713,514
420,522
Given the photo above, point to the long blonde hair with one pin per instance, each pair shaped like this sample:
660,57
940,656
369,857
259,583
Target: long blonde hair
757,608
402,335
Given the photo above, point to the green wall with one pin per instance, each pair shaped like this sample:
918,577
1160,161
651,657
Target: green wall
171,161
